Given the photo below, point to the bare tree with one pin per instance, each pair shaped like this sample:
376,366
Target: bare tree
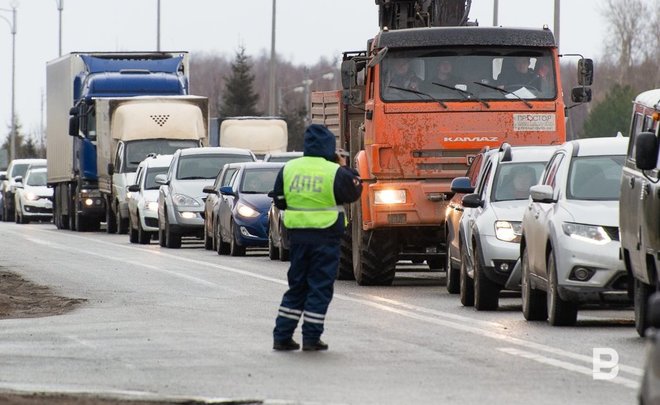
627,29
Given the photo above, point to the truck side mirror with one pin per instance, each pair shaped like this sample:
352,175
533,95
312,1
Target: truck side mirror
378,57
348,74
74,126
581,95
111,169
646,151
585,72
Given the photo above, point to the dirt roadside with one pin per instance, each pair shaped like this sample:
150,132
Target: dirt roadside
20,298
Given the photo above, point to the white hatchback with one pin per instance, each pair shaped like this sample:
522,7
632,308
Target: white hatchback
33,198
142,199
570,232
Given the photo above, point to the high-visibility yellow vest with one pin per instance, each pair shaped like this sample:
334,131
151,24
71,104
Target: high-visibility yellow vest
309,193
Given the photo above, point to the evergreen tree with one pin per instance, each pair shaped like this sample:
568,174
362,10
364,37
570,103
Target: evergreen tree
611,115
239,98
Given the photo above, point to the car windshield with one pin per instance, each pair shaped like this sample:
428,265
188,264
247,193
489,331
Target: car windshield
595,178
195,167
513,180
36,178
150,180
258,181
136,151
464,74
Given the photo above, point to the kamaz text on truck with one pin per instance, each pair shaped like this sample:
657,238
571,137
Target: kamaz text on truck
73,82
411,131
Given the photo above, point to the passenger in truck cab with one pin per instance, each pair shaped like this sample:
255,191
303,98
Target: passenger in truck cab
401,76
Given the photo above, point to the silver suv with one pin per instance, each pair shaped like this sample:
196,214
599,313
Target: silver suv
181,196
639,204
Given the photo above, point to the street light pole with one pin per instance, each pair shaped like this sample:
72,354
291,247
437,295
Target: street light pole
12,27
60,7
272,67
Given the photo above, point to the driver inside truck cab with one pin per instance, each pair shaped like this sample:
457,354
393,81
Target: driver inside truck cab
400,75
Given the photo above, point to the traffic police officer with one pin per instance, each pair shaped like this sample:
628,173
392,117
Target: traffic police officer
312,190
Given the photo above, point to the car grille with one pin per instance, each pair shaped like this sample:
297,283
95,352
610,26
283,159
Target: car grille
612,232
38,210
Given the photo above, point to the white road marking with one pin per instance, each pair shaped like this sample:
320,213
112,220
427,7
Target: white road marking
461,323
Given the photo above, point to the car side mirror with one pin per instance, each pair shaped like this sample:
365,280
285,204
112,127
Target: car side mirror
654,311
161,179
461,185
472,201
134,188
3,177
227,190
210,190
542,193
581,95
646,151
18,179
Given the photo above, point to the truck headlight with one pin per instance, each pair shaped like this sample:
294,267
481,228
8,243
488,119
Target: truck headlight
587,233
185,201
508,231
246,211
390,196
152,206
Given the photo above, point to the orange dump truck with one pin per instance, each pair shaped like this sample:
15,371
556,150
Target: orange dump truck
411,128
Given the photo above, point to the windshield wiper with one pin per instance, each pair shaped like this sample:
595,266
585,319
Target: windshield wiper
466,94
252,192
193,178
418,93
527,103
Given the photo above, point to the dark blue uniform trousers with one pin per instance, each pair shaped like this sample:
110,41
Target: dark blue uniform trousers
311,282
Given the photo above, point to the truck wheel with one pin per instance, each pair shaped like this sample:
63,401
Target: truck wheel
466,283
560,312
378,254
533,301
486,293
110,219
435,263
346,256
234,248
641,299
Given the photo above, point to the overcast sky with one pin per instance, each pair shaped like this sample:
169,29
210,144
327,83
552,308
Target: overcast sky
306,30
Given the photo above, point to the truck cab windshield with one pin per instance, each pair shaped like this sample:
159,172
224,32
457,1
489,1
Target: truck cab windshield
522,73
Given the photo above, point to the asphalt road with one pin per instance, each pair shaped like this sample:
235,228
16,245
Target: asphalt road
188,323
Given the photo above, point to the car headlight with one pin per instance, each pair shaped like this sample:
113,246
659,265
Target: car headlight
185,201
246,211
129,195
588,233
390,196
30,196
508,231
152,206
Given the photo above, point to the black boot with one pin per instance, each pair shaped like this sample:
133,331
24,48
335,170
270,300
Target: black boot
286,345
314,345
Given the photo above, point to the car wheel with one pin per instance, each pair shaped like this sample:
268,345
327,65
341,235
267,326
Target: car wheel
234,248
110,218
486,293
283,252
641,298
17,216
453,273
172,239
273,251
122,223
533,301
560,312
144,237
466,283
208,241
161,232
132,234
221,246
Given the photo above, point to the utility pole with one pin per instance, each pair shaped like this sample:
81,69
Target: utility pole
272,68
496,9
158,25
60,7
